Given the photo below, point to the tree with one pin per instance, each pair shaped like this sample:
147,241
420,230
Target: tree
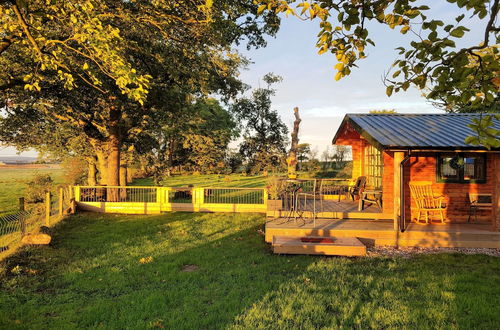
340,153
291,159
264,133
144,52
303,152
453,77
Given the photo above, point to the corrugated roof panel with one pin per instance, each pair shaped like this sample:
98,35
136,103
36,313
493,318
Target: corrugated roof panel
417,130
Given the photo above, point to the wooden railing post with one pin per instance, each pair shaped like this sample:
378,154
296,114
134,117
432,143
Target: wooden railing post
47,208
77,193
61,200
21,204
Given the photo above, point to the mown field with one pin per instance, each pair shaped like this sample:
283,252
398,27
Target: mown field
13,183
206,271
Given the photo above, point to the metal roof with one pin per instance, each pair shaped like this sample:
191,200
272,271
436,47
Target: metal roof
415,131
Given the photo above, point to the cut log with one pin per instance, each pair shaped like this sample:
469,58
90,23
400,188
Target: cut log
36,239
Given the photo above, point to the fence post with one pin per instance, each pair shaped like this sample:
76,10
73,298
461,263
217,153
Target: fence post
61,191
21,204
47,208
159,197
264,191
77,193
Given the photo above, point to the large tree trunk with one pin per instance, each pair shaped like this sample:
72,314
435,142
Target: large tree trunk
123,173
292,154
102,163
113,150
92,171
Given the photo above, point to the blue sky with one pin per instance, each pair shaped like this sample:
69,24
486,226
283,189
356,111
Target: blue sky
308,78
308,81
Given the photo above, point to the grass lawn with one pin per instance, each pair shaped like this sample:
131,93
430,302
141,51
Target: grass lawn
13,182
183,270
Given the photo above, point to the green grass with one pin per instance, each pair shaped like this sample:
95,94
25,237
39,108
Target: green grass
91,276
13,183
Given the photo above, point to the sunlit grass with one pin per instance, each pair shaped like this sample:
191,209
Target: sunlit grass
116,271
13,183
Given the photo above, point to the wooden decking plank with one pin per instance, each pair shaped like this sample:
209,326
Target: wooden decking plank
380,232
342,246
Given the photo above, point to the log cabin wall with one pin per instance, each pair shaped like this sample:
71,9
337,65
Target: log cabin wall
422,167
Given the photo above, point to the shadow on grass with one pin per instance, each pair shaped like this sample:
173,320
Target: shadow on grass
92,276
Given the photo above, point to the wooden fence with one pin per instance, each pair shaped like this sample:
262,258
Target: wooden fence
153,200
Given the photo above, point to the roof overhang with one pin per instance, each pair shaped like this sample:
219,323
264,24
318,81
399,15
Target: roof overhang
379,145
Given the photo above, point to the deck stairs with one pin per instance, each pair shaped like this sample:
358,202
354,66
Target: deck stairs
332,246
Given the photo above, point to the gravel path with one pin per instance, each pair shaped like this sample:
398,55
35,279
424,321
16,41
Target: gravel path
408,252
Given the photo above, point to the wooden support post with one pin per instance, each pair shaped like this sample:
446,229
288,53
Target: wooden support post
77,193
22,217
21,204
47,208
398,158
72,204
496,192
61,200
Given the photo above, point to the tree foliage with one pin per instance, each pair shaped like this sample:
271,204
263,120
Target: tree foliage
112,70
264,133
453,77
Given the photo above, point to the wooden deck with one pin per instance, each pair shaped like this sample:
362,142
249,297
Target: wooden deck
332,209
381,232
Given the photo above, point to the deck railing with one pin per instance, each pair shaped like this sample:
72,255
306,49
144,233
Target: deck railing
133,199
117,194
234,196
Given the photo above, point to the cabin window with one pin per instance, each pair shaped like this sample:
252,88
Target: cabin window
374,166
461,168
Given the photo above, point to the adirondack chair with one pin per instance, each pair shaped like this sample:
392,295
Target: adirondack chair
426,201
358,187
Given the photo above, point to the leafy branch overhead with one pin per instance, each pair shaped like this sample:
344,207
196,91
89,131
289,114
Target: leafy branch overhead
87,47
453,78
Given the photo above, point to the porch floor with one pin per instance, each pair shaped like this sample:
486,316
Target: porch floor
333,209
381,232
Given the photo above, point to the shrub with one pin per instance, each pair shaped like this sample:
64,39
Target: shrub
37,187
275,187
75,171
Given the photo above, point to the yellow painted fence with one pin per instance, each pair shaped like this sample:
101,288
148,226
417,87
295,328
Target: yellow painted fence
154,200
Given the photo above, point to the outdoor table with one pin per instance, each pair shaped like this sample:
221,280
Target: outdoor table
371,197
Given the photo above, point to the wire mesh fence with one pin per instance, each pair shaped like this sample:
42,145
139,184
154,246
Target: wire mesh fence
14,226
233,196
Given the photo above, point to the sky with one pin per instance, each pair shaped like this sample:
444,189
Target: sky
308,78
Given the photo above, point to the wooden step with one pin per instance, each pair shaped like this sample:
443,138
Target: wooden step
341,246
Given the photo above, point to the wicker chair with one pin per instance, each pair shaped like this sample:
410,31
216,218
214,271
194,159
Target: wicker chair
426,201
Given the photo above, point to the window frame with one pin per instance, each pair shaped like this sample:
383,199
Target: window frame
439,162
371,168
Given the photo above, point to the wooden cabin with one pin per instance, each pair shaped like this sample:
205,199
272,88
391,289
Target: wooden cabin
392,150
398,154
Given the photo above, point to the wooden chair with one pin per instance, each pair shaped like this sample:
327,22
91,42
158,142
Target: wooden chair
426,201
479,202
358,187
